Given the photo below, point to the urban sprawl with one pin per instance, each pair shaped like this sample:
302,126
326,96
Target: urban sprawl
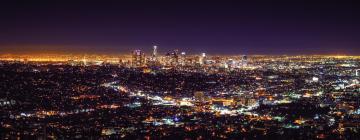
180,96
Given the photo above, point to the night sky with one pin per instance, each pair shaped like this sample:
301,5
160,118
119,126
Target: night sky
222,27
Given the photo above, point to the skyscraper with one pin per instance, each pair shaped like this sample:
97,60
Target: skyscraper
138,58
244,60
202,58
154,54
182,58
175,58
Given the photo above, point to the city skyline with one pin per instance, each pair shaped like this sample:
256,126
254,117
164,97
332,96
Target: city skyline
264,28
179,70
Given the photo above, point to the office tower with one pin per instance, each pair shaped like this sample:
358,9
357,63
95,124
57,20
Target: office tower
172,58
154,51
202,58
231,63
154,54
138,58
244,60
175,57
182,59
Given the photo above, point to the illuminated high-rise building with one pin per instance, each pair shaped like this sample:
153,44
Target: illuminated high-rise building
154,50
138,58
154,54
154,59
244,60
172,58
182,59
357,72
202,58
231,63
175,57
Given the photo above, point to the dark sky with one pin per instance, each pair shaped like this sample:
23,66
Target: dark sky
214,27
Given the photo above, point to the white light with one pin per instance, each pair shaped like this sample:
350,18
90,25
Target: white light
315,79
